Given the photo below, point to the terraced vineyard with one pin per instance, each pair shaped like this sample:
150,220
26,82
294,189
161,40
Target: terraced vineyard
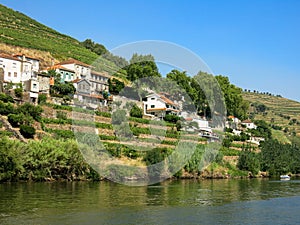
17,29
280,112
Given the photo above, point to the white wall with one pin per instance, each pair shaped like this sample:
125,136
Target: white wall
12,70
154,100
79,70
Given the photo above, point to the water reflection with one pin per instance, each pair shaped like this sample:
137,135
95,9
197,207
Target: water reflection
62,203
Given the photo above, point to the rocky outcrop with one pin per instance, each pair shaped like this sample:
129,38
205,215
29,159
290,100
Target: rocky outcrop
9,128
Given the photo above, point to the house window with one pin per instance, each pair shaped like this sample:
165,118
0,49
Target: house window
34,86
14,65
9,74
15,74
152,106
152,98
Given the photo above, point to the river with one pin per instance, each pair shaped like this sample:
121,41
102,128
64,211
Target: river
254,201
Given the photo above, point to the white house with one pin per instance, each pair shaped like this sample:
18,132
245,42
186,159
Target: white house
18,70
34,62
82,70
159,105
11,67
99,81
249,124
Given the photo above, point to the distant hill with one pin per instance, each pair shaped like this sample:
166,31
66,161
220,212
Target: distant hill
281,112
19,32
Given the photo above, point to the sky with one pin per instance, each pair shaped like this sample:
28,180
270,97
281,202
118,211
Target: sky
255,43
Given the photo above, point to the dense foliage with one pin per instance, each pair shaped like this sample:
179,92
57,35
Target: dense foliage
48,159
141,66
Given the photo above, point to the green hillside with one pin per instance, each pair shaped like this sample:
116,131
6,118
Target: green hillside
281,112
18,29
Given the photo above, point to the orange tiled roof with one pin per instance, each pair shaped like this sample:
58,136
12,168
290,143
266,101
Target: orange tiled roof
76,80
30,57
247,121
166,100
74,61
157,109
7,56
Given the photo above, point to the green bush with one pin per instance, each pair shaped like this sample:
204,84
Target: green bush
136,111
107,137
42,99
6,98
61,115
11,159
139,120
16,119
104,114
171,118
19,92
7,108
29,109
27,131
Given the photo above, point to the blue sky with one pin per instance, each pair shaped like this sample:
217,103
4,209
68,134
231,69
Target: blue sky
255,43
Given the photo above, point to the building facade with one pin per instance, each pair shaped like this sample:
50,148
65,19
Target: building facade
159,105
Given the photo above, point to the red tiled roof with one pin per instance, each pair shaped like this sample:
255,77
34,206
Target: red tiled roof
7,56
29,57
166,100
73,61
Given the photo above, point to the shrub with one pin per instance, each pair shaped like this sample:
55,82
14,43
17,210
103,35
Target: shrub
6,98
136,111
29,109
104,114
171,118
16,119
42,99
27,131
19,92
6,108
61,115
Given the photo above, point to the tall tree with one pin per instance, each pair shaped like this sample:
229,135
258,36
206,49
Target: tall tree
141,66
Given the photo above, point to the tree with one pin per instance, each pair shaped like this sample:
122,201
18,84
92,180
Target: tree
115,86
99,49
141,66
235,103
136,111
248,160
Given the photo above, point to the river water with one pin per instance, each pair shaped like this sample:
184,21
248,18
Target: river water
255,201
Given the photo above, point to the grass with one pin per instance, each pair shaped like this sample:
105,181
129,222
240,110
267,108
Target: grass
279,135
17,29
